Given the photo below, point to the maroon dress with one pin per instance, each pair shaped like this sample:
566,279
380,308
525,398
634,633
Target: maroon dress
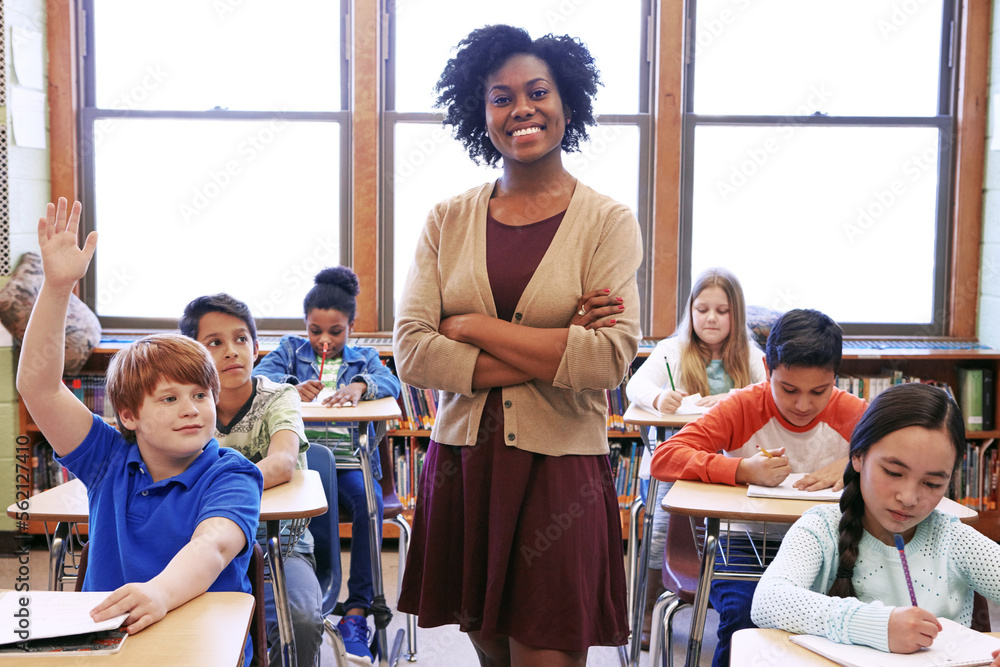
512,543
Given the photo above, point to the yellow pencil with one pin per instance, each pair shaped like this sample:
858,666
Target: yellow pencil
765,452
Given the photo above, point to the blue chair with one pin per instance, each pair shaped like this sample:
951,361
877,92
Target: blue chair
325,530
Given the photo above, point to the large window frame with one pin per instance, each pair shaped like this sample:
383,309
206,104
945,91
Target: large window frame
91,115
642,120
367,53
944,122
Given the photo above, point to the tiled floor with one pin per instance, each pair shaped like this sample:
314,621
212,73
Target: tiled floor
436,647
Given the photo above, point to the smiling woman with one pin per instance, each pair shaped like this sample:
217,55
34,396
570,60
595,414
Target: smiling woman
521,309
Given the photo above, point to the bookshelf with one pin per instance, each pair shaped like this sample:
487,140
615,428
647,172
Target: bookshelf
410,440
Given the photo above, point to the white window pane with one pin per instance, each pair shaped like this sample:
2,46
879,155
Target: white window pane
798,57
812,217
427,31
226,206
432,166
197,55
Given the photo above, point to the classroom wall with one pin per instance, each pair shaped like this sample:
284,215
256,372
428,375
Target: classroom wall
24,186
989,272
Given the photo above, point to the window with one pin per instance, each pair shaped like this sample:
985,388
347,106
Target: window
217,166
817,156
428,165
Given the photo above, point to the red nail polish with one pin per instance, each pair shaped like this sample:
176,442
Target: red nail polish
621,307
612,321
607,291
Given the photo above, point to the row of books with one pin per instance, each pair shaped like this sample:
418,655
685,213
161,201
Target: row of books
617,405
976,397
90,390
977,483
419,408
46,472
626,457
870,386
408,462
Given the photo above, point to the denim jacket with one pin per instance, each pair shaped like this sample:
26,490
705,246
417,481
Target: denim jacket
294,362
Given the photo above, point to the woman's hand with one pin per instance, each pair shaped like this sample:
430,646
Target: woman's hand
597,309
668,401
911,629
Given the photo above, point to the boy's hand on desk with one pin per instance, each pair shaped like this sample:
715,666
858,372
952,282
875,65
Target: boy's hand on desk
668,401
309,390
763,470
996,658
911,628
145,604
828,476
347,396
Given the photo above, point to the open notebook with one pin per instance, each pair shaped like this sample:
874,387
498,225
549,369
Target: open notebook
786,490
956,645
56,621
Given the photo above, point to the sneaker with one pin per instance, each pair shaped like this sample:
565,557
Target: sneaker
354,630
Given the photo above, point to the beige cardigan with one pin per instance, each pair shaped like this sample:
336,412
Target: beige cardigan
597,246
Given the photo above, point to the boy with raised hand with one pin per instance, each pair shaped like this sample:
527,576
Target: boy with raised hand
798,416
262,420
171,513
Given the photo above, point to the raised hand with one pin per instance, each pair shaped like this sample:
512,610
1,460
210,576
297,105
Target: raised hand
63,261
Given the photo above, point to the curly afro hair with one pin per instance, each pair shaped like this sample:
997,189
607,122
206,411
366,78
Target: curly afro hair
461,88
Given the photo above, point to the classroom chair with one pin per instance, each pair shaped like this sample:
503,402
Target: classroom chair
325,530
681,569
255,571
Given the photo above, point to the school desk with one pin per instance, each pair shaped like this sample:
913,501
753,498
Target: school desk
716,503
365,412
639,554
756,647
296,500
208,631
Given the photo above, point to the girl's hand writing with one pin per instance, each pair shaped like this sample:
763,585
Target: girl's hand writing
763,469
911,628
144,603
309,390
346,396
598,310
668,401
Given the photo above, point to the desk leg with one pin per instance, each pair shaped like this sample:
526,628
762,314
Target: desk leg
701,595
376,556
285,635
57,554
641,572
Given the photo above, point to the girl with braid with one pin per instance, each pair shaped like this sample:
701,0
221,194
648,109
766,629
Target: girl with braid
838,573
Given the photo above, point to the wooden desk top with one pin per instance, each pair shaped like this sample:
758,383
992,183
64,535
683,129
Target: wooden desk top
208,631
721,501
299,498
642,417
382,409
757,646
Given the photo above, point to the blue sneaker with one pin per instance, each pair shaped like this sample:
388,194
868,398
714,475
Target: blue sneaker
354,631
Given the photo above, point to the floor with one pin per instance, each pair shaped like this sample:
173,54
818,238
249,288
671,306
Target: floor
436,647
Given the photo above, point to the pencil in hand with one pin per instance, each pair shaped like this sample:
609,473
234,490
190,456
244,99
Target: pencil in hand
765,452
906,568
322,362
670,375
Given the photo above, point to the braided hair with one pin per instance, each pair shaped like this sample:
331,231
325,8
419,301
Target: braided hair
899,407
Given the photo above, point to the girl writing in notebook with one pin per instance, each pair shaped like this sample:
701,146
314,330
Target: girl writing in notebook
709,354
326,362
838,573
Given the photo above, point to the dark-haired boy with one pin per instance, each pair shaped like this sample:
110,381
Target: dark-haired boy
797,415
262,420
171,513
